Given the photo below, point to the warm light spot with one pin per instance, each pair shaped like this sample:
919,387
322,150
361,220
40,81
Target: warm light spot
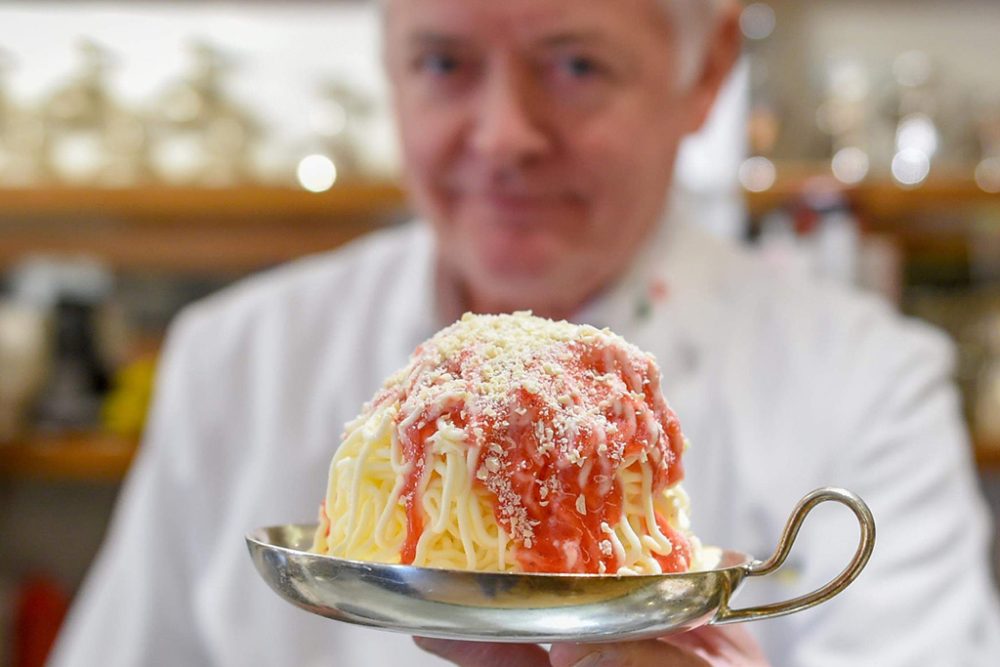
988,175
757,174
757,21
317,173
918,132
850,165
911,167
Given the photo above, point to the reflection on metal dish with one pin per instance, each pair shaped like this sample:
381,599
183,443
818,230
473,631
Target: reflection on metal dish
535,608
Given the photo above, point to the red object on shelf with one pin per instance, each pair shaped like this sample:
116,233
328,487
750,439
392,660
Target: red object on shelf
41,605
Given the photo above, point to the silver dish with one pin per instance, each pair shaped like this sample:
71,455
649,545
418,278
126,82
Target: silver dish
535,608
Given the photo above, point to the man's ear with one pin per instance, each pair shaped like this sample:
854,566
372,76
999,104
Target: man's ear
725,43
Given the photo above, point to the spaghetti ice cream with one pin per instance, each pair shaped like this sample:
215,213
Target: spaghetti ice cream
514,443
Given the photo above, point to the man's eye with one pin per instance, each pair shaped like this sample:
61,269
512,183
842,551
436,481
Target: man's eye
581,67
440,64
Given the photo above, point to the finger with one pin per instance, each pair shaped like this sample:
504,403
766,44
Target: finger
649,652
482,654
719,642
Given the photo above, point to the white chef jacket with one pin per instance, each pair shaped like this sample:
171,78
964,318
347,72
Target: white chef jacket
781,384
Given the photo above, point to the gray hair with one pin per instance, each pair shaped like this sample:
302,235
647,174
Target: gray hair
695,20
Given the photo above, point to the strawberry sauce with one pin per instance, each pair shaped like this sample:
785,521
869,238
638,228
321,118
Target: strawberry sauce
555,412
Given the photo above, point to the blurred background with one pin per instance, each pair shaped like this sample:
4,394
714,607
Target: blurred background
152,152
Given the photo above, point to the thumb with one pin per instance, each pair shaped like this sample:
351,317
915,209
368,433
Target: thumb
649,652
485,654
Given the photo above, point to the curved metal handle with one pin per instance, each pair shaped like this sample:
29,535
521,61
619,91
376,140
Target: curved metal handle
842,580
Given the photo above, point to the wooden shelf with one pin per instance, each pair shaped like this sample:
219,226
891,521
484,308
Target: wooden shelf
187,230
932,222
878,199
237,230
880,196
78,457
161,203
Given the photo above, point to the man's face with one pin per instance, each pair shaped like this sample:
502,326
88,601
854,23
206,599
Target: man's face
539,138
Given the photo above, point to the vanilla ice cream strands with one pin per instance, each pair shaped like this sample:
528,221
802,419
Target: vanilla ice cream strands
514,443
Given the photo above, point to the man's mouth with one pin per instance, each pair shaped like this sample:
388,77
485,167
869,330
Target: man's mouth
520,201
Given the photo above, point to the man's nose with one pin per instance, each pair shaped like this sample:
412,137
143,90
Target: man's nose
509,128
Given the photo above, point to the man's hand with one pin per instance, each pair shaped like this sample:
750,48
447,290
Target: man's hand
707,646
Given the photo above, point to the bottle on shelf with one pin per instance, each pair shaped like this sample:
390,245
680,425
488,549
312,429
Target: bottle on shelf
22,137
91,139
203,137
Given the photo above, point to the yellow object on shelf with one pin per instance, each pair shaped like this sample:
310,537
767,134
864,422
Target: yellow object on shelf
124,410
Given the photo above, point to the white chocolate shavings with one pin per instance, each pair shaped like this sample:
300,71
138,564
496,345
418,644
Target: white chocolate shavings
580,395
606,547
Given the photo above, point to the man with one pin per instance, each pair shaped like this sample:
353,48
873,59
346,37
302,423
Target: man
539,138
